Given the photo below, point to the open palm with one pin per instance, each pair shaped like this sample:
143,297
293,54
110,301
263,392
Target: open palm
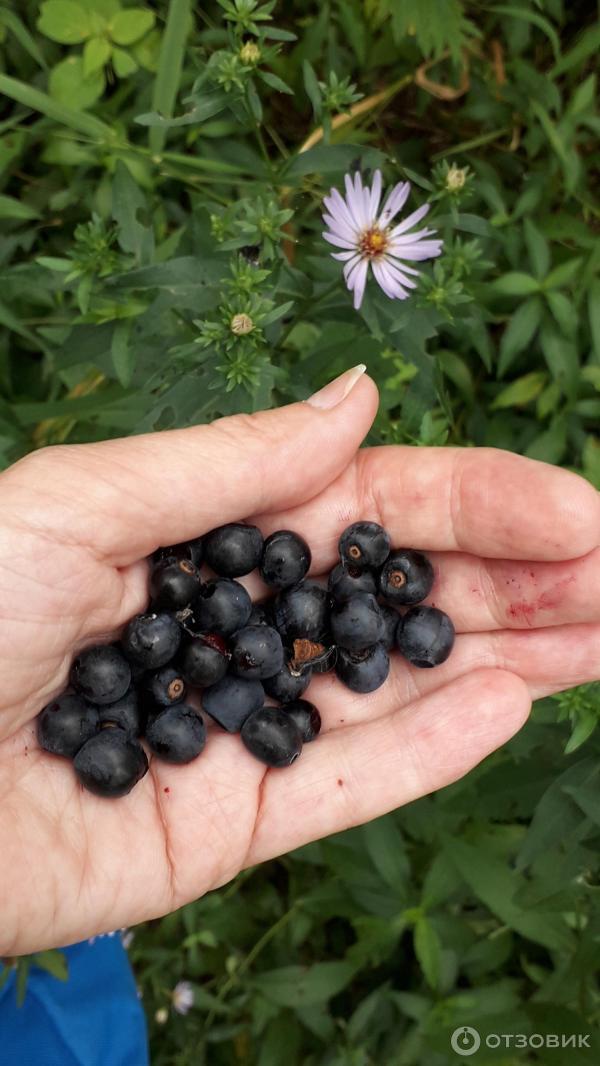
514,545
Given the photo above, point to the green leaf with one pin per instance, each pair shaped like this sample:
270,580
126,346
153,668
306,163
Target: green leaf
594,315
130,24
22,35
276,83
123,353
550,445
127,201
64,21
591,460
496,885
304,986
556,818
170,64
53,962
123,62
537,248
584,727
564,311
311,84
536,20
68,82
428,951
587,45
95,55
18,209
23,968
515,283
385,846
519,332
65,115
583,98
520,392
203,108
561,356
562,274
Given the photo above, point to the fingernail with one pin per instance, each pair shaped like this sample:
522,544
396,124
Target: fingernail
335,391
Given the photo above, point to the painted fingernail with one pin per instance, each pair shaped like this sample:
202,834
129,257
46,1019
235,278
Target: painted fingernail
335,391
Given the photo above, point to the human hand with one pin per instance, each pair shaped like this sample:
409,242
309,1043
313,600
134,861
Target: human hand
78,522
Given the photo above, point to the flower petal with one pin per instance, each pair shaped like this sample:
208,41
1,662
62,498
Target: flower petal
340,242
344,256
337,206
386,280
350,268
375,196
411,220
395,201
360,281
410,238
339,227
420,250
354,203
396,271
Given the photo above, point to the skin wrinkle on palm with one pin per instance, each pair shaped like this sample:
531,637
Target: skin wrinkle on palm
76,865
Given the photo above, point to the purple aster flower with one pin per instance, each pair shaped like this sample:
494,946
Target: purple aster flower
366,236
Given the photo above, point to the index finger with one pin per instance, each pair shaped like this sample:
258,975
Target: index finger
480,500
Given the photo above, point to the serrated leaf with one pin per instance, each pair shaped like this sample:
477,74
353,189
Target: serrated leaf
520,392
128,25
64,21
96,54
519,332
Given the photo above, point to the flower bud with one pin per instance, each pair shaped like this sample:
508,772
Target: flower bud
241,324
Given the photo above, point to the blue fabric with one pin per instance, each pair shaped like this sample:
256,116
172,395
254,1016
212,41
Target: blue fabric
93,1019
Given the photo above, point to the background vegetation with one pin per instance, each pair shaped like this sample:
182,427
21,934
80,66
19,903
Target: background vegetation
162,167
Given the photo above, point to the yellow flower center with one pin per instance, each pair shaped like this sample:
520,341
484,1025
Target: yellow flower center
373,242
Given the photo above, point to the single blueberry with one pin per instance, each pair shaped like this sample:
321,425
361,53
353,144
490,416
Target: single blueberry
222,607
301,613
345,581
151,640
256,652
272,736
174,585
286,559
287,685
177,734
101,674
425,636
306,717
204,660
357,623
234,549
125,713
363,671
65,724
231,700
364,544
406,577
110,763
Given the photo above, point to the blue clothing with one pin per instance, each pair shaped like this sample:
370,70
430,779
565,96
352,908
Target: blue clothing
94,1018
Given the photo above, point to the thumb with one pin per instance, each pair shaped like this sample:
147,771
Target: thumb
124,498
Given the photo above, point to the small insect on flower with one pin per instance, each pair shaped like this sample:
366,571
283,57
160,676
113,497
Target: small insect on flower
182,997
368,238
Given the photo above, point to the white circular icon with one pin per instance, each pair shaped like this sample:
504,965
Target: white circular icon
465,1040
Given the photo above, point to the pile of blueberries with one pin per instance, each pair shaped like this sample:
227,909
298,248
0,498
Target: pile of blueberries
209,635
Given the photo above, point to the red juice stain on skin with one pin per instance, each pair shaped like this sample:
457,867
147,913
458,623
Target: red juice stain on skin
340,782
167,789
549,600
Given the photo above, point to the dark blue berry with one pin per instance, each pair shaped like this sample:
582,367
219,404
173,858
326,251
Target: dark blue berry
406,577
260,615
65,724
151,640
125,713
234,549
364,544
425,636
164,687
222,607
391,619
256,652
286,684
286,559
188,549
363,671
204,660
344,582
174,585
101,674
272,736
177,734
301,613
306,717
110,764
231,700
357,623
